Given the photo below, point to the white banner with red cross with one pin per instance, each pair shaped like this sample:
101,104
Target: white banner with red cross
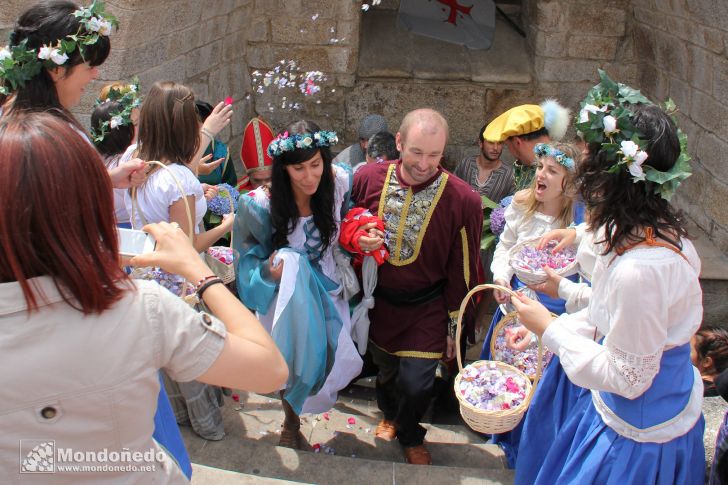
466,22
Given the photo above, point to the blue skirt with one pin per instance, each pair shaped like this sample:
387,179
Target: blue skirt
167,434
510,441
588,451
555,398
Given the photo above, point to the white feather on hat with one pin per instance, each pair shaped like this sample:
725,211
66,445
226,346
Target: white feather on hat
556,119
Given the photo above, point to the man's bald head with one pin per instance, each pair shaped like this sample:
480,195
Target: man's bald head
428,120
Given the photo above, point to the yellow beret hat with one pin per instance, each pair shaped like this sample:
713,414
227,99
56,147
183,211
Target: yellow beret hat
517,121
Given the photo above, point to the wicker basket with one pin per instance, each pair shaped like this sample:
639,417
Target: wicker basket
500,326
496,421
226,272
190,299
535,277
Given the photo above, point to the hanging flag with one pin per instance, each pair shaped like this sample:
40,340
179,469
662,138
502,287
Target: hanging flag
465,22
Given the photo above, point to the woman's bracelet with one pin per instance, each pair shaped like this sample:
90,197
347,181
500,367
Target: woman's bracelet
205,132
202,287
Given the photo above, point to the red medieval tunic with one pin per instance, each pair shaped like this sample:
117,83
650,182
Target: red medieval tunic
433,236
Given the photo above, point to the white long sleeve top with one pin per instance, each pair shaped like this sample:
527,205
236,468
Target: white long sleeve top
644,302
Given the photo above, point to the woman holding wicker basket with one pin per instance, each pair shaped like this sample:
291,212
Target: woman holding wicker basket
170,139
642,421
547,204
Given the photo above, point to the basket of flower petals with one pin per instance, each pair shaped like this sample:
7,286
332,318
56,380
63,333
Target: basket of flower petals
528,261
220,261
525,360
493,395
220,258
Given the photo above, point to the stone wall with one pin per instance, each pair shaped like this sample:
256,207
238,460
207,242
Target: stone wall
319,36
683,51
570,39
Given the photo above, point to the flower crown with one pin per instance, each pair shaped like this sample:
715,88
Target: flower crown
546,150
128,98
287,143
18,64
605,118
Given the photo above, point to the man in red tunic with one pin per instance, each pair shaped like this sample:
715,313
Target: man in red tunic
432,230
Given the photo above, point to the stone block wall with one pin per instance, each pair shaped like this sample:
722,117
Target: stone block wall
683,54
318,36
570,39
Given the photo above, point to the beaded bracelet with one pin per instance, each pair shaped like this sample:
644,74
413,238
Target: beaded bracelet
209,277
206,284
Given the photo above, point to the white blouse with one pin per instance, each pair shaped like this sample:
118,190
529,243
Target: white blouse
160,191
575,294
518,227
644,302
119,206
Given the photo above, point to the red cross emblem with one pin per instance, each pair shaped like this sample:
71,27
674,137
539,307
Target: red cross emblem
455,8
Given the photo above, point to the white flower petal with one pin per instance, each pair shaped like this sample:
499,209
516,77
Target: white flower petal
636,170
57,57
629,148
640,157
44,52
610,125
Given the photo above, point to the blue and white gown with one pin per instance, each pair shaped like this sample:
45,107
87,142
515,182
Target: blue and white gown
519,226
639,416
306,312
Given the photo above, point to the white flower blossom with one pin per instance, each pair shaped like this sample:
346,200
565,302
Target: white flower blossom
640,157
93,24
629,148
5,54
105,28
116,121
636,170
610,125
45,52
584,113
132,88
57,57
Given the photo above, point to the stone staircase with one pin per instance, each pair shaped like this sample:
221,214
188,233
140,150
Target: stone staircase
347,451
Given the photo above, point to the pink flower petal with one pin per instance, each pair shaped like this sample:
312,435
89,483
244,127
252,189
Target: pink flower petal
351,421
326,416
229,100
236,398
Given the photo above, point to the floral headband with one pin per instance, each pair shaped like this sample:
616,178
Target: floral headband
605,118
18,64
546,150
288,143
128,98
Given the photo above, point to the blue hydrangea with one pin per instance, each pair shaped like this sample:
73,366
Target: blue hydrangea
506,201
220,204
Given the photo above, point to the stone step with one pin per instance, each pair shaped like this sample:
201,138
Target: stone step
204,475
348,430
236,461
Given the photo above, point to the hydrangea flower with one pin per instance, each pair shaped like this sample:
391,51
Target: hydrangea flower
497,220
220,204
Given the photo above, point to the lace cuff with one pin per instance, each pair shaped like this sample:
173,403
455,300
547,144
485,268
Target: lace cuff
637,370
